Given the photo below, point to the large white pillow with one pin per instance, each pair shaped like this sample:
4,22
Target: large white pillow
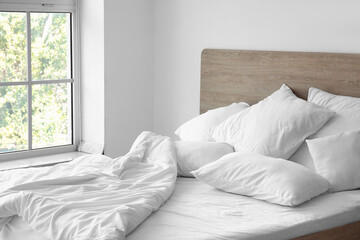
271,179
337,158
346,118
275,127
197,129
193,155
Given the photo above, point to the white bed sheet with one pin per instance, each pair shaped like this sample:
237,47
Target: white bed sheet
197,211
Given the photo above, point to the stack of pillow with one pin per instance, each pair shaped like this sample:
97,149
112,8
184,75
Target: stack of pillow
322,134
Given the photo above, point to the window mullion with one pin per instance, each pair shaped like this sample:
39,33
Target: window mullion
29,78
54,91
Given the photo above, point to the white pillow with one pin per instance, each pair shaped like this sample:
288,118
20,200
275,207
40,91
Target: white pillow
346,118
337,158
275,127
193,155
197,129
271,179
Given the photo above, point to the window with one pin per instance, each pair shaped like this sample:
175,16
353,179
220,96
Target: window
37,82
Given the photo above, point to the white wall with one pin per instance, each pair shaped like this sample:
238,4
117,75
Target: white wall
128,72
184,27
149,52
117,72
92,70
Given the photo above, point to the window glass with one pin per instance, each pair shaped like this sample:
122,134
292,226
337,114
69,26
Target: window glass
13,54
13,118
36,96
50,46
51,115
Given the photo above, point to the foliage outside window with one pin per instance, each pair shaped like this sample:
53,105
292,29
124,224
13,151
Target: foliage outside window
35,80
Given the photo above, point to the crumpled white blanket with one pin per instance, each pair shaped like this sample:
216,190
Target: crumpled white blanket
92,197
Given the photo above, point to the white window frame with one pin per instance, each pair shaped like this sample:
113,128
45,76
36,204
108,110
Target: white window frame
68,6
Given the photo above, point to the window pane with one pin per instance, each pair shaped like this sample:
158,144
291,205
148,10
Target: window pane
51,115
50,46
13,118
13,53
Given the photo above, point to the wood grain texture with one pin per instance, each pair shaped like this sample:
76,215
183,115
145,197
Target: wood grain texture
348,232
229,76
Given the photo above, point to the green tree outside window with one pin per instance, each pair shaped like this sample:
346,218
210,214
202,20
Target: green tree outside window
50,60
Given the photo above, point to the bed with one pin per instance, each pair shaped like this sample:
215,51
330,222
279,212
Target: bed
236,75
198,211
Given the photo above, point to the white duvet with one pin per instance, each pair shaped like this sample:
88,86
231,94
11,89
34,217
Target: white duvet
93,197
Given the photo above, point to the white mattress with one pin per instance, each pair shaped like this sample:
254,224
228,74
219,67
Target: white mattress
198,211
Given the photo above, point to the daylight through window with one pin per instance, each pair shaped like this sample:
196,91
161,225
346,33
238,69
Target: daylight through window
36,80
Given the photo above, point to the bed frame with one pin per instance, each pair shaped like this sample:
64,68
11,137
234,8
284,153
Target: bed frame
229,76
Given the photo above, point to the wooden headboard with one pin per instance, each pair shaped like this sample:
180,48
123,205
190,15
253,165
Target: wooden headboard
229,76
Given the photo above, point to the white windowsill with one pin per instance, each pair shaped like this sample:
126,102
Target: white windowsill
40,161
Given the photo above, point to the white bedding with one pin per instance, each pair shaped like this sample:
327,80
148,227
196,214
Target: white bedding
93,197
197,211
96,197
